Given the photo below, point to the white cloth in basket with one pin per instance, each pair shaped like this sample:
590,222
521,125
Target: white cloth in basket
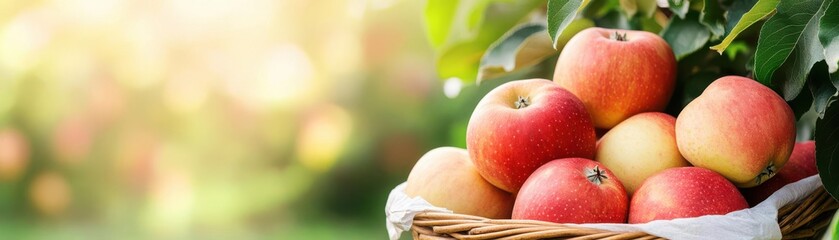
759,222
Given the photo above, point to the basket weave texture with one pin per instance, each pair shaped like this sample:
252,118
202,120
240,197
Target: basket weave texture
803,219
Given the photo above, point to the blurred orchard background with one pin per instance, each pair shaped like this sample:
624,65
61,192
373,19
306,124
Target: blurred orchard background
173,119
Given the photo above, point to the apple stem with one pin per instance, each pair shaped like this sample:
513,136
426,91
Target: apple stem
767,173
595,175
522,102
619,37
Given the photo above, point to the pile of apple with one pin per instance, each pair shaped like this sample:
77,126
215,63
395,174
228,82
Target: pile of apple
534,153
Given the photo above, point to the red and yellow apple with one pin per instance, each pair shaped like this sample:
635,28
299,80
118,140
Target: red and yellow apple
617,73
572,190
684,192
523,124
739,129
640,147
445,177
801,164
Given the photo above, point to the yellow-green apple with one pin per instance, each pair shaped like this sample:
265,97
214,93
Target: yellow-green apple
684,192
801,164
640,147
617,73
738,128
572,190
523,124
445,177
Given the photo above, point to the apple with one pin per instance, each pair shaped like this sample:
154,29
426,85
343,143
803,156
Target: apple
801,164
617,73
523,124
738,128
640,147
572,190
445,177
684,192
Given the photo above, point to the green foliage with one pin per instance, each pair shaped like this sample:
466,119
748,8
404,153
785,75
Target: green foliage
523,47
462,37
685,36
643,8
560,15
759,11
679,7
736,11
827,149
789,41
712,18
439,15
829,34
821,87
502,55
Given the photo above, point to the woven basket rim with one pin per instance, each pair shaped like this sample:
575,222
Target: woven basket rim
804,218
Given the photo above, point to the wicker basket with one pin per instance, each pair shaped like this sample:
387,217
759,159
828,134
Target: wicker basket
803,219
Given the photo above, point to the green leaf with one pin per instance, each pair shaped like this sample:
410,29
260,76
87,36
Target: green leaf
645,24
560,15
524,47
450,21
460,55
679,7
712,18
596,9
736,11
827,149
801,105
760,10
503,52
736,48
834,77
646,7
460,61
439,15
614,20
829,34
572,29
789,42
502,56
685,36
821,87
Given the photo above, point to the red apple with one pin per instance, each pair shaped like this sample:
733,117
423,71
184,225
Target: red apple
521,125
801,164
572,190
684,192
445,177
617,73
738,128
